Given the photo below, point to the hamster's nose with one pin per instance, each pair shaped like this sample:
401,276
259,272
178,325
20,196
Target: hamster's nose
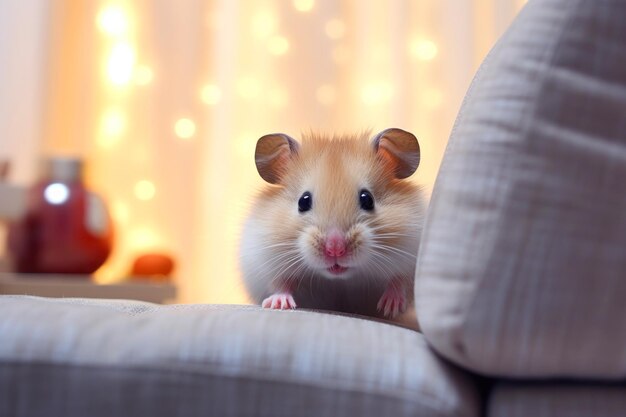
335,246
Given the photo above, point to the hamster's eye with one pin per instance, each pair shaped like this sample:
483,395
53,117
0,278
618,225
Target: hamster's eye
305,202
366,200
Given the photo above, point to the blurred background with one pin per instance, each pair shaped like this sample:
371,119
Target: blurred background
163,101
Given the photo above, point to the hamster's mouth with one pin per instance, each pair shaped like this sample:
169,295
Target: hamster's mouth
337,269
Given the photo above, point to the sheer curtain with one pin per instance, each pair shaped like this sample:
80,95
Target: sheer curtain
166,99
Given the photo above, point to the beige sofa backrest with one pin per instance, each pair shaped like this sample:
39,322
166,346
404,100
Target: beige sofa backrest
522,269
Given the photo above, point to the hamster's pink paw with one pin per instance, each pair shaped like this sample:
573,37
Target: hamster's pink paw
279,301
392,302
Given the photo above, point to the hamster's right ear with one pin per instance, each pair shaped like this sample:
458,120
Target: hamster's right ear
273,153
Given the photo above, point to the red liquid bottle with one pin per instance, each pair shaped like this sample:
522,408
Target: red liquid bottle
66,229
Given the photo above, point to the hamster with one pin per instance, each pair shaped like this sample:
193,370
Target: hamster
338,226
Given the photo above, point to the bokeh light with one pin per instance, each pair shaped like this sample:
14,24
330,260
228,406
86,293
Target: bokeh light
303,5
211,94
184,128
376,93
278,45
248,87
263,24
120,63
145,190
113,20
424,49
113,123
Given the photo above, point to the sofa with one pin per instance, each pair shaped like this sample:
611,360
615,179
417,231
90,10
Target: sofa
520,286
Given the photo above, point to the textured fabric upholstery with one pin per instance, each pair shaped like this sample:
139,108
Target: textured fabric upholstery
522,268
88,358
562,400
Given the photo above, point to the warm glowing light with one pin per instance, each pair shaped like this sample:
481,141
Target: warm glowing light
248,87
376,93
143,75
423,49
56,193
145,190
185,128
120,211
121,63
303,5
211,94
521,3
143,238
325,94
431,98
263,24
335,29
278,45
113,21
278,97
113,123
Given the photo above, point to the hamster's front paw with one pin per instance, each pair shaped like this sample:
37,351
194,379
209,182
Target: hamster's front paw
279,301
392,302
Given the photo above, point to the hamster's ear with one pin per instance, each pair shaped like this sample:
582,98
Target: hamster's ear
273,153
399,150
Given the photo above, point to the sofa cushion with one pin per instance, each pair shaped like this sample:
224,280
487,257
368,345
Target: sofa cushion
90,358
557,400
522,267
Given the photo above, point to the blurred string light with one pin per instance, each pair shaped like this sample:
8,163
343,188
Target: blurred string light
145,190
113,20
185,128
120,63
278,45
303,5
113,122
263,24
211,94
143,238
248,87
376,93
120,211
423,49
123,74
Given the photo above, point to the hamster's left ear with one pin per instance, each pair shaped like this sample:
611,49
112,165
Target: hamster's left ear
399,150
273,154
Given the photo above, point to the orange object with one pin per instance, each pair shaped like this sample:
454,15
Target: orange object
153,266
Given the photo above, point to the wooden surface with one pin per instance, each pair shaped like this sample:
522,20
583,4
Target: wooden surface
56,286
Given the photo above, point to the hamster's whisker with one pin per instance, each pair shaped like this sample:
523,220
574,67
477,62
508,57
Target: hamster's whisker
393,249
386,235
275,245
277,265
279,258
384,265
289,264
